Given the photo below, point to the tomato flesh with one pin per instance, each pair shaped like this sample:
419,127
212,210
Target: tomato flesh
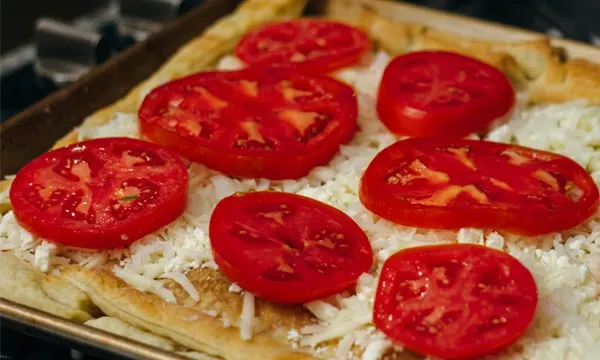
102,193
454,301
434,93
287,248
439,184
274,124
307,45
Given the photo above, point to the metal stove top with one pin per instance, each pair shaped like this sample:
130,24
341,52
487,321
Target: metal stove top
61,45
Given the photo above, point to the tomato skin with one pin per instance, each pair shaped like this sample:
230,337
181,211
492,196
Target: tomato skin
291,249
168,194
324,45
528,207
419,305
291,158
412,103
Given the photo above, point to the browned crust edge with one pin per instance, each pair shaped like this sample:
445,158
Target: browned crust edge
532,65
183,324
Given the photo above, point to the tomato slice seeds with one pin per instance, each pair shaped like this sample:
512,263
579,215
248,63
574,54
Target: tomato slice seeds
307,45
272,124
456,301
440,184
287,248
435,93
102,193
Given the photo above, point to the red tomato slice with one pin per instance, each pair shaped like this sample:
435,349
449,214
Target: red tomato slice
434,93
433,183
454,301
273,124
287,248
308,45
103,193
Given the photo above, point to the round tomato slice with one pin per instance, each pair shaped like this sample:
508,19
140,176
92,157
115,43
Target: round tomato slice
454,301
439,184
287,248
308,45
103,193
274,124
434,93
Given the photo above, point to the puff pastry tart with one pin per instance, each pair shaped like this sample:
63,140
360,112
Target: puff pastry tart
342,187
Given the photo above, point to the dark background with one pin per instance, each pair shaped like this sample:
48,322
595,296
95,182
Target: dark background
577,19
18,16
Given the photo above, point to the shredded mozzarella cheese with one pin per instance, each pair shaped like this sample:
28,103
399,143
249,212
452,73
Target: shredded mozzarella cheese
247,317
343,348
230,62
322,310
571,129
119,125
376,349
185,283
235,288
144,284
43,255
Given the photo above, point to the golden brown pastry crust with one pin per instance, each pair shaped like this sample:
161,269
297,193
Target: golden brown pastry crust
21,283
533,65
188,325
66,294
4,204
574,80
431,39
214,287
394,37
522,60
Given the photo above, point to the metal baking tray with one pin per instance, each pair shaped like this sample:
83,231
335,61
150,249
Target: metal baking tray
33,131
